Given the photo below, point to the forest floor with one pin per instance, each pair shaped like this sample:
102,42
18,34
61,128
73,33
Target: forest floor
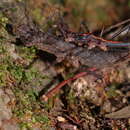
94,101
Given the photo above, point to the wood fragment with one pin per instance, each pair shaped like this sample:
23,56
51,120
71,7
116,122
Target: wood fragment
122,113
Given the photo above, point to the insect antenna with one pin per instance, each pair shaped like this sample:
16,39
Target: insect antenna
120,31
102,31
115,26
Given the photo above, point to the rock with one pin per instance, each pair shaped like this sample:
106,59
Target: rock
6,97
87,88
10,126
5,111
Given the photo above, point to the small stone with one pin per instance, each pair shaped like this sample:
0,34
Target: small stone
61,119
106,107
124,100
10,126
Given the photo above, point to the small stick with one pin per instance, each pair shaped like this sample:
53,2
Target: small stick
54,90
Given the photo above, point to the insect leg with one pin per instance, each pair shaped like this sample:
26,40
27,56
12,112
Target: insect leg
83,27
121,30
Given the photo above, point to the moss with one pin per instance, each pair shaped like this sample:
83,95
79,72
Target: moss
27,100
4,72
31,74
28,108
112,91
25,126
71,97
27,53
37,13
43,119
3,20
15,74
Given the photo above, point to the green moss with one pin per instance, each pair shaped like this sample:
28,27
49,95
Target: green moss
12,71
42,119
37,14
27,53
3,20
112,91
30,74
16,72
71,97
2,49
32,94
4,73
27,104
25,126
69,75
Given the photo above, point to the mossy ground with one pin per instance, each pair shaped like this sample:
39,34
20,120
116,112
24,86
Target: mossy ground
16,73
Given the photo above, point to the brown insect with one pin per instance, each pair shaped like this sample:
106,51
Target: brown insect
78,49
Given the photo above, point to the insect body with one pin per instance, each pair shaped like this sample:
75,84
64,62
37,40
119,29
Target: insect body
84,49
77,49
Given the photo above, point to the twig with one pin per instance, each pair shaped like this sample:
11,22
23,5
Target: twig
53,91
